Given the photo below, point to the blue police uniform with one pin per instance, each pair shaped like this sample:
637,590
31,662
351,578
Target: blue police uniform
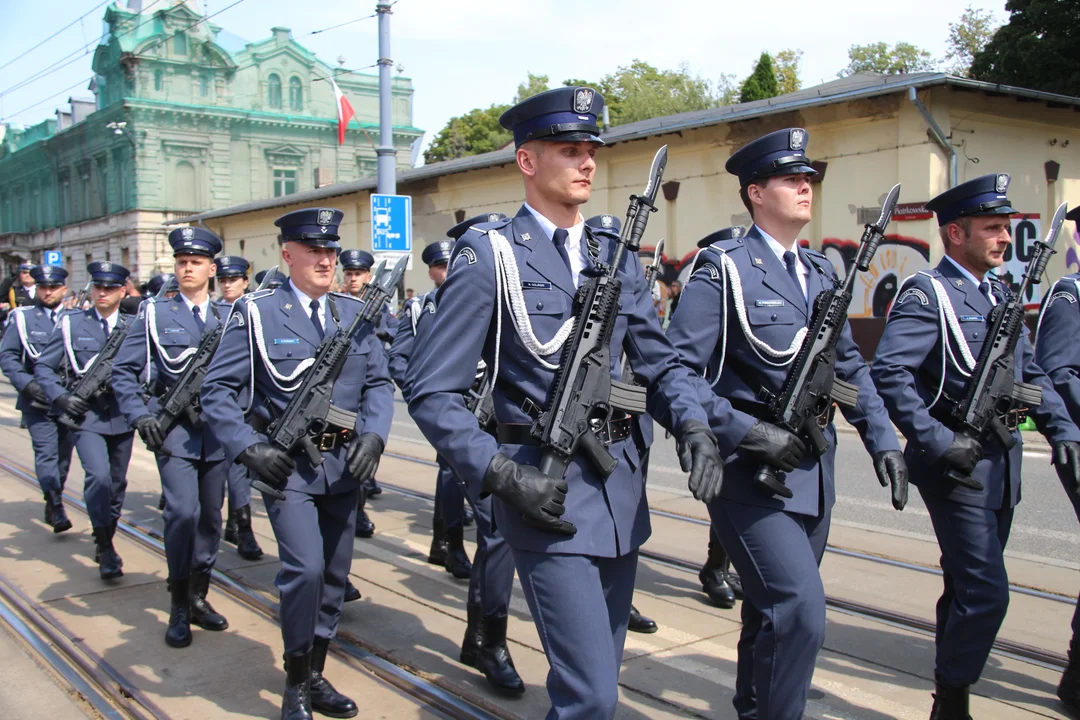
267,344
103,438
154,284
921,369
276,280
24,339
578,587
737,325
156,351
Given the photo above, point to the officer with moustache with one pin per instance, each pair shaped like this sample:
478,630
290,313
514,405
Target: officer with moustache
267,345
921,368
190,460
25,337
768,283
574,539
232,278
103,438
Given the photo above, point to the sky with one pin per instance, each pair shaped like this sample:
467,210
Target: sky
463,54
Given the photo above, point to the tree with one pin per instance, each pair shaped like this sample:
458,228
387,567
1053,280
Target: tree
968,37
1039,48
639,92
727,89
477,131
786,66
762,82
880,58
533,85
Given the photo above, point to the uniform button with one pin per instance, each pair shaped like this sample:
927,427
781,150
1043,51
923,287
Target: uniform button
974,336
539,306
773,317
288,354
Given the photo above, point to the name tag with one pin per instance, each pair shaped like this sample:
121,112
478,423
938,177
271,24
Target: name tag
174,330
526,285
85,339
768,303
972,318
38,332
286,341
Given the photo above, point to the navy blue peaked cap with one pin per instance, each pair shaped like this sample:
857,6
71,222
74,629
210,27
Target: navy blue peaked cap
779,153
438,252
49,275
735,231
566,114
277,281
154,284
317,227
984,195
458,230
195,241
231,266
356,260
107,273
1073,214
607,224
26,266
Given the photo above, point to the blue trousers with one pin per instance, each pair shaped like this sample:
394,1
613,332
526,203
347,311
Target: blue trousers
194,491
105,461
315,543
492,580
972,607
52,443
239,486
776,555
449,497
580,605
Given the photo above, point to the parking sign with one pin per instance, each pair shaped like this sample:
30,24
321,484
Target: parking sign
52,257
391,223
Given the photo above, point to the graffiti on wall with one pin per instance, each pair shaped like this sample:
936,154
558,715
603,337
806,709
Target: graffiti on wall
896,258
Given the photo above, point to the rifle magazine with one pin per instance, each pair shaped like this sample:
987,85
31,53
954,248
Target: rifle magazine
844,394
341,418
628,398
1027,395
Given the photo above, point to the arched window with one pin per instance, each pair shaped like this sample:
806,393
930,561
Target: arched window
179,44
159,80
296,94
274,83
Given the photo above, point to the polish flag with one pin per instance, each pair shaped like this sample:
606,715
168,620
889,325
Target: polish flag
345,112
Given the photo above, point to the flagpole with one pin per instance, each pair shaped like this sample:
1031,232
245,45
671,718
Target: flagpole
386,179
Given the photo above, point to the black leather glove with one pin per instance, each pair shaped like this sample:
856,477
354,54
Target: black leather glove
1067,463
35,392
150,431
699,456
891,470
72,404
272,464
538,497
773,445
362,457
963,455
383,335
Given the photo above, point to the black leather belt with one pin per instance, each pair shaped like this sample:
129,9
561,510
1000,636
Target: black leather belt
943,413
759,411
328,441
521,433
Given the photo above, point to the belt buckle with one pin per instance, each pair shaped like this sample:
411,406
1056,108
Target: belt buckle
327,442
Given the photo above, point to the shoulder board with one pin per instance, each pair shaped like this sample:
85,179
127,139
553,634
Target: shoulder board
482,228
728,245
815,253
257,295
344,296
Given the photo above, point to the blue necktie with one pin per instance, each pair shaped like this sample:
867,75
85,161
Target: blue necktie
559,238
793,272
105,326
314,305
199,322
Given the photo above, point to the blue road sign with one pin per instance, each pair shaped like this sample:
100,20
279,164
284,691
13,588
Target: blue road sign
52,257
391,223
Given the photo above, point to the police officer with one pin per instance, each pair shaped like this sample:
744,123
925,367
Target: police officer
1056,353
972,526
448,526
154,285
24,340
574,539
776,543
103,438
190,459
232,278
18,289
277,280
271,334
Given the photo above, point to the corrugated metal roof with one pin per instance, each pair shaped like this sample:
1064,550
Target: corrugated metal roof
863,85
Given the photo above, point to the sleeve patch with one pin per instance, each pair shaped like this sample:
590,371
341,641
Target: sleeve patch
468,253
1065,295
708,267
913,293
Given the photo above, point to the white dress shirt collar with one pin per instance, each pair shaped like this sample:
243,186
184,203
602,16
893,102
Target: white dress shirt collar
975,282
573,239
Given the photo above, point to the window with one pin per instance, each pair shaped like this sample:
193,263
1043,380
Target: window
204,84
274,83
284,182
159,80
179,44
296,94
184,186
125,258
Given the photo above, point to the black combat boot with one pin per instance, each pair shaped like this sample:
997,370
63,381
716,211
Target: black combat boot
494,658
202,612
109,562
474,635
373,487
950,702
439,547
296,702
457,560
246,544
57,514
351,593
714,577
48,511
364,527
179,633
1069,687
325,700
228,533
639,623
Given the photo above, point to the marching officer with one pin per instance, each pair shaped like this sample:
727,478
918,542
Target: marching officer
921,369
103,437
232,278
277,280
448,525
574,539
267,343
154,285
768,283
19,290
24,340
1057,354
190,460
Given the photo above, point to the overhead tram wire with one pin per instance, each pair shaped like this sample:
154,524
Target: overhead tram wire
157,43
26,52
45,100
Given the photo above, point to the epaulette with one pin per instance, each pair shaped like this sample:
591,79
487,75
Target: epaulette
344,295
482,228
816,253
257,295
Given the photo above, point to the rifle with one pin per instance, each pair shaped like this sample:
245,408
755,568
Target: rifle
96,382
478,399
583,394
309,411
652,272
993,389
182,399
811,385
80,297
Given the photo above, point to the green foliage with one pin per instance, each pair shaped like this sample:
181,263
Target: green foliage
967,38
640,91
533,85
880,58
786,66
477,131
761,83
1039,48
